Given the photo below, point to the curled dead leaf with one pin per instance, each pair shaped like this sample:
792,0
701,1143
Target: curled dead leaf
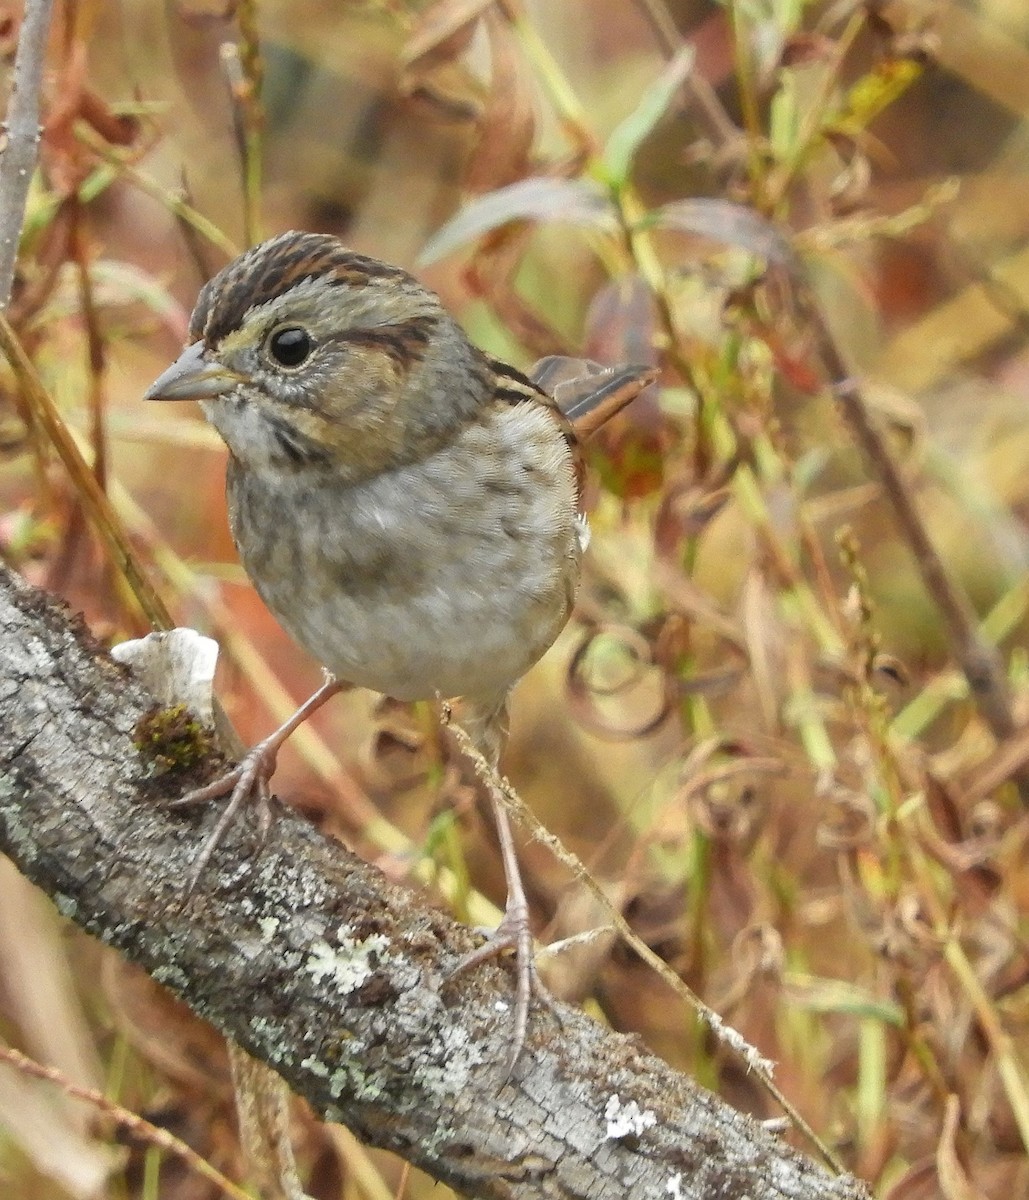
627,676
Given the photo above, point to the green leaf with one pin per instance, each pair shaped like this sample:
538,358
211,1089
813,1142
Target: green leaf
877,90
626,139
577,201
837,996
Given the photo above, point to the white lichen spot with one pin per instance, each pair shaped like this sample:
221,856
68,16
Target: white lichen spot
350,963
269,928
462,1053
176,667
66,905
171,976
362,1085
674,1186
625,1119
315,1066
501,1006
268,1034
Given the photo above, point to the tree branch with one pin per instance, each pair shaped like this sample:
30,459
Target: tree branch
23,132
316,964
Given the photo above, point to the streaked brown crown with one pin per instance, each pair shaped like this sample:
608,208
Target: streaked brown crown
274,267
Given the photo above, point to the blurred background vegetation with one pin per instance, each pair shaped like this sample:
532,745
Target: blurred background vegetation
756,732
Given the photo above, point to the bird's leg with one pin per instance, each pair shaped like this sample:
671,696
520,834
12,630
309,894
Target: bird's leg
248,779
513,933
486,725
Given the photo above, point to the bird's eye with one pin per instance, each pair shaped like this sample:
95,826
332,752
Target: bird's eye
290,346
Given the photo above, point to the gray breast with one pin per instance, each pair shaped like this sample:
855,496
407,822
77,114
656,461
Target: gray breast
450,576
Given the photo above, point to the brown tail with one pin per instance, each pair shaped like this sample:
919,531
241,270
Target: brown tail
587,393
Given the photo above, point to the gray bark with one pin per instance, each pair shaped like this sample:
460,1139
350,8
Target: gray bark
317,965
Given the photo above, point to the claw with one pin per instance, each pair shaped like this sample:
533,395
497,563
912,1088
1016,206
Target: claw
513,933
248,781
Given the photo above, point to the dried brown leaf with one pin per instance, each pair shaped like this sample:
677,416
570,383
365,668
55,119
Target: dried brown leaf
508,123
442,31
491,274
10,27
433,70
621,322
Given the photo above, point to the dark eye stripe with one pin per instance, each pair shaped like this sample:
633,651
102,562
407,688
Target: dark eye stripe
404,344
510,385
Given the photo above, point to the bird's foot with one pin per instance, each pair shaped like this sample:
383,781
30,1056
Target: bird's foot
248,781
512,934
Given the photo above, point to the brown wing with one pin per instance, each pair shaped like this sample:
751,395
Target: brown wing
580,393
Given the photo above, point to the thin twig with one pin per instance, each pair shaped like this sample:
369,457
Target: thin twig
746,1054
133,1122
96,348
23,133
243,66
720,126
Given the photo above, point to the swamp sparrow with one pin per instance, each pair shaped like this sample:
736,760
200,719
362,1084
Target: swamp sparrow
407,506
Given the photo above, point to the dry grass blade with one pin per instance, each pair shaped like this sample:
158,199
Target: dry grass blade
94,500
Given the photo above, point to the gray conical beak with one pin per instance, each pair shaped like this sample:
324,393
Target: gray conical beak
191,377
